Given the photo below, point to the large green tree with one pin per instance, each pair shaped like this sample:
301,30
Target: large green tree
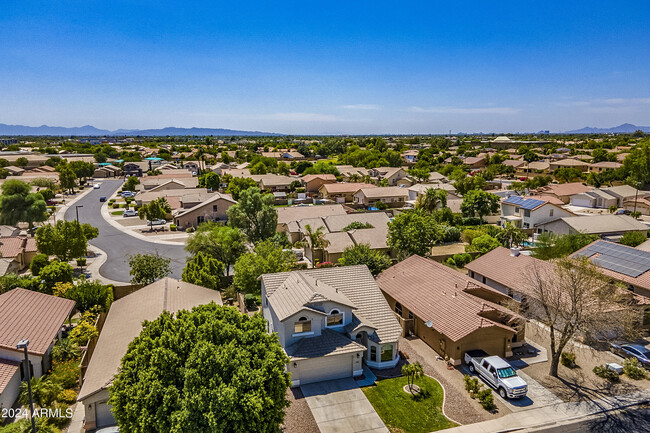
223,243
210,180
254,214
208,370
90,293
155,209
18,204
203,270
414,232
66,239
511,235
130,183
431,200
637,163
481,203
147,268
67,179
238,184
54,272
362,254
267,258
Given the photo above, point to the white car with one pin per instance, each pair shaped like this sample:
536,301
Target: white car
158,222
96,186
130,213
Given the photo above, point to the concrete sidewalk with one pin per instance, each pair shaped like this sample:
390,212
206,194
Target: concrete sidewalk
552,416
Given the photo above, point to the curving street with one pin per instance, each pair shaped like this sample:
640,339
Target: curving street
119,245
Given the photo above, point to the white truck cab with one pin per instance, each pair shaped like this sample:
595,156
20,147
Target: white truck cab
497,373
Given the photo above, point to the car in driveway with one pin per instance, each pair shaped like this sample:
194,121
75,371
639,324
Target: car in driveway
641,353
497,373
156,222
130,213
125,194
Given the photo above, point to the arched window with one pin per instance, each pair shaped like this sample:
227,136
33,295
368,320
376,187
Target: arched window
359,338
398,308
335,318
302,325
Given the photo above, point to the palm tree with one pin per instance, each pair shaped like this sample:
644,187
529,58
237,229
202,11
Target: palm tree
430,200
317,241
412,371
511,235
44,391
66,350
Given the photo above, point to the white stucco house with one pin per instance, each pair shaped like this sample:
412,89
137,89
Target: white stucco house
528,213
330,321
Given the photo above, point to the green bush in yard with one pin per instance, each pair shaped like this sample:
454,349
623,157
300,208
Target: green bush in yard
568,359
633,370
602,371
472,384
486,399
250,300
115,205
39,262
173,227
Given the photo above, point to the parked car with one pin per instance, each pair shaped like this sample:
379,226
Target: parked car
637,351
623,212
130,213
497,373
158,222
102,199
127,194
96,186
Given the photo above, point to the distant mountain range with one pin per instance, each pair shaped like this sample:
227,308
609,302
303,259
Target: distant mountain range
625,128
89,130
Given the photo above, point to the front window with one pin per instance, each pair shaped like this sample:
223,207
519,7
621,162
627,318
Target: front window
335,318
386,352
506,372
302,325
373,353
398,308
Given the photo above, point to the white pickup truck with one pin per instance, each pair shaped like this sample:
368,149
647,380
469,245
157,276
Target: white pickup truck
497,373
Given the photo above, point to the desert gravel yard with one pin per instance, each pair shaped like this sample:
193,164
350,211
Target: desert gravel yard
298,417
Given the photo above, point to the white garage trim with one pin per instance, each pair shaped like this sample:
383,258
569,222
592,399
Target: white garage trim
325,368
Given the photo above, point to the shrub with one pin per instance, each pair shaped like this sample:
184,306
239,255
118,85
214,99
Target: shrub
381,205
461,260
633,370
90,293
633,239
55,272
472,384
61,289
172,227
250,301
65,350
568,359
65,373
57,422
81,261
325,265
602,371
190,230
115,205
486,399
39,262
83,332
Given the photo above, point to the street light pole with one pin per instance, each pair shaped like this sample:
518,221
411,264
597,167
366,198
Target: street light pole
22,344
76,208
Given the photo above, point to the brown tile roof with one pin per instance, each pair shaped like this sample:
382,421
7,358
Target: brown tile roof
310,177
124,323
31,315
547,198
357,284
12,246
7,371
434,292
384,191
329,343
342,188
563,189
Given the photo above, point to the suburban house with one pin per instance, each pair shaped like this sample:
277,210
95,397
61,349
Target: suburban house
569,163
528,213
124,323
105,171
330,321
410,156
449,311
135,168
19,250
540,167
641,204
595,198
349,172
177,198
313,182
342,192
391,174
418,189
609,225
273,182
602,166
393,196
212,210
288,218
474,162
562,191
157,183
37,317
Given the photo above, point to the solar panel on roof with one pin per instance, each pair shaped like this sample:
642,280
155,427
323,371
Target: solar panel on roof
618,258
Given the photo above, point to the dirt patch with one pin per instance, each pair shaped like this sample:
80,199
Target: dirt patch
579,384
298,417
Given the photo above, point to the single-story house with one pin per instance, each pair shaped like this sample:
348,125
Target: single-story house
273,182
342,192
391,174
212,210
603,225
330,321
107,171
289,218
349,172
569,163
596,198
393,196
37,317
124,323
562,191
20,249
313,182
449,311
157,183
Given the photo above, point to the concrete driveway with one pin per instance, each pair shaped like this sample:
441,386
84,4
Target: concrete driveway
339,406
119,245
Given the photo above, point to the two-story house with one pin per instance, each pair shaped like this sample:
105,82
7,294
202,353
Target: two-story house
527,213
330,321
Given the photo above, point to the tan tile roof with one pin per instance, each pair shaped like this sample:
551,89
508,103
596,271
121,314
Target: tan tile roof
339,241
385,191
310,177
288,214
124,323
215,197
434,292
12,246
7,371
336,223
357,284
31,315
342,188
329,343
563,189
376,237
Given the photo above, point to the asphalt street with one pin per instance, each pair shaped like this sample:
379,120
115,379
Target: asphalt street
117,245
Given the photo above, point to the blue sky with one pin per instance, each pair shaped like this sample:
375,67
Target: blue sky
326,67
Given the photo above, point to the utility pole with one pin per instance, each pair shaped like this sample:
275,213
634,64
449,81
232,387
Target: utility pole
22,344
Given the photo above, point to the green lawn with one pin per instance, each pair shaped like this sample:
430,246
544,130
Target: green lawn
400,410
117,212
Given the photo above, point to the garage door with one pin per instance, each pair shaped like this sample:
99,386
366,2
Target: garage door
104,415
325,368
